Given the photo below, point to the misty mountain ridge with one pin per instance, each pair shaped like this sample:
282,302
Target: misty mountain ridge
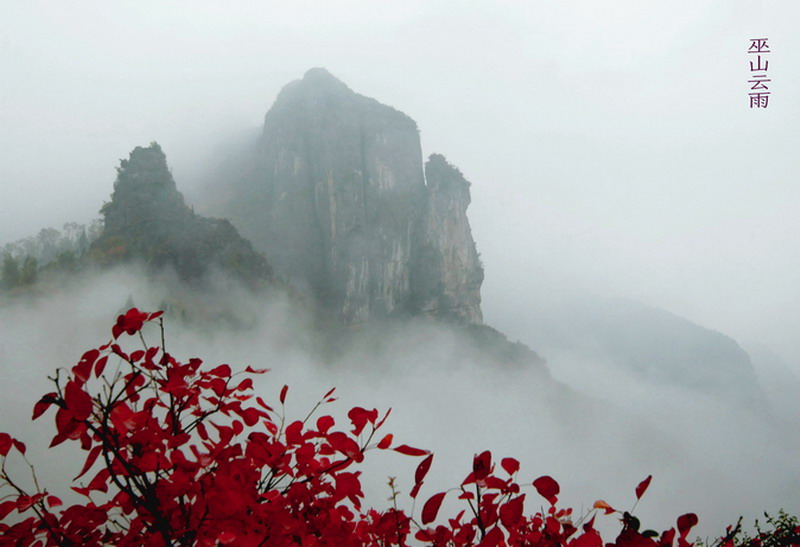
653,345
407,249
339,205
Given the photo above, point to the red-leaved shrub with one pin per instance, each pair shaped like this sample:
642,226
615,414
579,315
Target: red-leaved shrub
181,454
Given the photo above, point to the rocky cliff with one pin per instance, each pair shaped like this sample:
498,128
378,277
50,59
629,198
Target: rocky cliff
446,273
338,200
147,219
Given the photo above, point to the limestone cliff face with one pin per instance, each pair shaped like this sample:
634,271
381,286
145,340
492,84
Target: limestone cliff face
447,273
338,202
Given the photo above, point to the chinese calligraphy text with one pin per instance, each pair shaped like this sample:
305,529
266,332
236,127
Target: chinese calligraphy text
759,64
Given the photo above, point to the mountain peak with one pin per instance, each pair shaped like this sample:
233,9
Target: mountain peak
316,85
338,202
320,80
320,75
147,219
320,95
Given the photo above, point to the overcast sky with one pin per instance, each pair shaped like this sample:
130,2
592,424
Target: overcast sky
610,144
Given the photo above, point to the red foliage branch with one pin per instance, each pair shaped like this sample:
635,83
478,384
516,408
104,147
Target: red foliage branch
181,455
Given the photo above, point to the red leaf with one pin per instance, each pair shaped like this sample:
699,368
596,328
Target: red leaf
84,367
379,424
43,404
415,490
548,488
19,445
148,358
386,442
131,322
100,365
294,433
122,418
100,480
643,486
482,465
262,404
410,450
431,507
223,371
252,370
686,523
24,503
360,417
324,423
422,469
244,385
511,512
79,403
348,485
250,416
510,465
282,397
90,459
5,443
118,351
494,482
218,386
344,444
6,507
54,501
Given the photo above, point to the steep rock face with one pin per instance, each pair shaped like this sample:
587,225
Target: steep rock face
147,219
447,272
338,202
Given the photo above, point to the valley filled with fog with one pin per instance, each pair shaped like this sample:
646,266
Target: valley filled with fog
635,221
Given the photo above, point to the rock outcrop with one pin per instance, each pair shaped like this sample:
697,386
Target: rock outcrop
147,219
446,274
338,201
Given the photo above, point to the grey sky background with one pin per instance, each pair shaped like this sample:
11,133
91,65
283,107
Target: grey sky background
610,144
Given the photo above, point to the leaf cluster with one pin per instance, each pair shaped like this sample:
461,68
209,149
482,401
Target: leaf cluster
177,453
181,455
